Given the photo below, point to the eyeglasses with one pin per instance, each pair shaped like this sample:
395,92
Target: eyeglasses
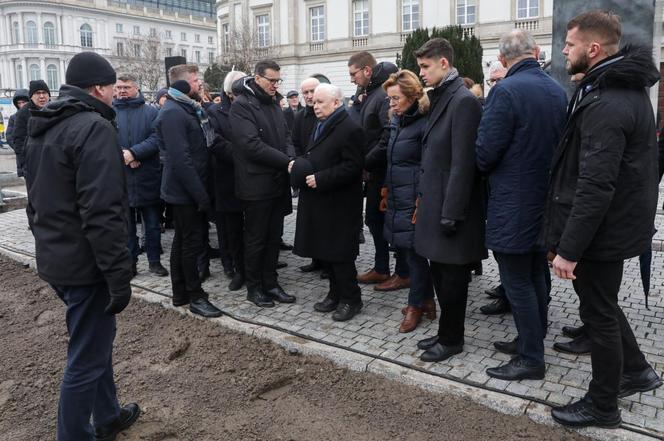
394,99
352,74
273,81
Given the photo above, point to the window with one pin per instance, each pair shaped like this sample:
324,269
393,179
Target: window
86,35
19,76
527,8
183,53
169,34
137,30
410,15
17,33
197,38
210,39
153,32
465,12
52,77
317,15
118,28
49,34
31,37
35,72
263,30
169,51
137,50
211,57
361,18
226,35
119,50
183,36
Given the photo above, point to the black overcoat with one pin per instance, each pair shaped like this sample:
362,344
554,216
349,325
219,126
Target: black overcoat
329,217
450,186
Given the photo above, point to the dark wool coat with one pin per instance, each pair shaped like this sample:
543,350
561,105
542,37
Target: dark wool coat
329,217
303,127
137,132
185,155
450,186
76,191
19,135
521,124
604,179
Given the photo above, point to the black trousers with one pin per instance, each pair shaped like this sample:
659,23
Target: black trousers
451,285
343,282
231,235
188,245
613,347
263,221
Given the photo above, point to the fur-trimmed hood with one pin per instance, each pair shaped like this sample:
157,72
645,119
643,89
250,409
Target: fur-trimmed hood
631,68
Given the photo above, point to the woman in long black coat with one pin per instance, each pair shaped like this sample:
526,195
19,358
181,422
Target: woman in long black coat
329,212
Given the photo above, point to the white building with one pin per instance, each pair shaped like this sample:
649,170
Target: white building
37,38
316,37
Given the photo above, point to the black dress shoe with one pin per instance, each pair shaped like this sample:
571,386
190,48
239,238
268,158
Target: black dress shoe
277,293
204,275
427,343
346,311
259,298
578,346
584,413
324,274
327,305
313,266
497,292
203,307
281,265
507,347
236,283
128,416
498,306
283,246
440,352
573,332
157,269
640,381
517,369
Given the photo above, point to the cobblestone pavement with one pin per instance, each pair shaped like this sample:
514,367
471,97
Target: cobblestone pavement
375,330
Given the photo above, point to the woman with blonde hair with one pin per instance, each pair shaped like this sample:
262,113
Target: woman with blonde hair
408,107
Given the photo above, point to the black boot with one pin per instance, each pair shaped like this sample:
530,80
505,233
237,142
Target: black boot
157,269
439,352
327,305
237,282
346,311
572,332
584,413
578,346
427,343
507,347
517,369
277,293
258,297
498,306
203,307
639,381
128,416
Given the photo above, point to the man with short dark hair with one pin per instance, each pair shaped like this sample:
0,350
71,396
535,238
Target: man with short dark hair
39,94
78,216
139,141
262,151
450,215
601,205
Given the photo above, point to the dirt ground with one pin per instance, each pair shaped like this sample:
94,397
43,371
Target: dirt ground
197,381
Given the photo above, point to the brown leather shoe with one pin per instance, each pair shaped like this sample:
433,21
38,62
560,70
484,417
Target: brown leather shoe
392,284
428,309
411,319
372,276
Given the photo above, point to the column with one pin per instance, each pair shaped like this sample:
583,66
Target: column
61,26
40,30
26,81
62,71
12,74
42,68
21,29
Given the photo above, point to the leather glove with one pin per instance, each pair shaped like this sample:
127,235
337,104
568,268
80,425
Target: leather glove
119,300
448,226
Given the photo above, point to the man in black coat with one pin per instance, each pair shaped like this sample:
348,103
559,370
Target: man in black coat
21,99
262,149
601,205
450,216
78,216
294,106
39,95
185,134
329,213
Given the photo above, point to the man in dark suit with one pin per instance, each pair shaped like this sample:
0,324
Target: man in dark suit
330,210
450,217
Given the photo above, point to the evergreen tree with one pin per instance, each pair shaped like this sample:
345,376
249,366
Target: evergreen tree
214,76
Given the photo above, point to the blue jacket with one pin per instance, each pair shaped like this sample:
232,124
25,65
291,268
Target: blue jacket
404,152
137,133
522,122
184,154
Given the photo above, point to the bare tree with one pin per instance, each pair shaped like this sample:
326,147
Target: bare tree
242,48
142,56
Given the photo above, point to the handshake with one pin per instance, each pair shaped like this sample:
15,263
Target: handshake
129,159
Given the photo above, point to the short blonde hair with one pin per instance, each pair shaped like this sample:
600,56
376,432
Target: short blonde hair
410,86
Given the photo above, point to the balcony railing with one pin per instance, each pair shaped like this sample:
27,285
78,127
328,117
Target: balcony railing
527,25
316,46
468,31
360,41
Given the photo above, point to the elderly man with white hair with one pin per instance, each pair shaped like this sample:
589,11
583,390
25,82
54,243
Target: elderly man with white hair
329,215
522,123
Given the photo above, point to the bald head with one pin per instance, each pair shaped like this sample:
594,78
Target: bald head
307,88
327,99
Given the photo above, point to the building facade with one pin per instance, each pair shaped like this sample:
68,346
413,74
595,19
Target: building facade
38,38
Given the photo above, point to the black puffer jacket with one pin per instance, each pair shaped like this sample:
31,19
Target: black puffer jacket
603,195
20,135
262,145
77,197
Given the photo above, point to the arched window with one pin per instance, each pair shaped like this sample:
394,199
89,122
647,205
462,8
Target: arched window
86,35
17,32
31,37
52,77
35,72
49,34
19,76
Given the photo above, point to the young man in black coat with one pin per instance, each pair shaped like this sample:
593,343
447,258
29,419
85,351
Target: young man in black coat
450,216
601,205
330,209
39,95
262,150
186,135
78,215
